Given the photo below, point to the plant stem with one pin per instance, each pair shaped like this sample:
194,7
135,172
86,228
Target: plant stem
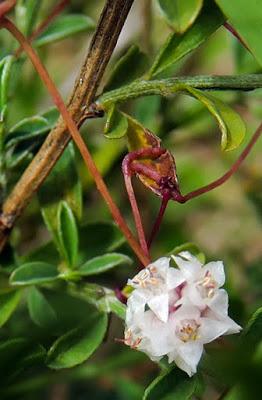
6,6
235,33
155,229
77,138
230,172
168,87
103,43
135,210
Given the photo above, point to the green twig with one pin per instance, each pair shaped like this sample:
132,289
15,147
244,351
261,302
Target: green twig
168,87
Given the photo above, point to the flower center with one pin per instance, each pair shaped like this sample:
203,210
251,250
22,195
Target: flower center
146,277
130,340
207,285
188,330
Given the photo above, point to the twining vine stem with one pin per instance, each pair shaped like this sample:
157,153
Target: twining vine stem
205,189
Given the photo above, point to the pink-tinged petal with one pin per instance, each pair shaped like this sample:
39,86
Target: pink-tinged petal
188,356
159,305
190,269
211,329
219,303
174,278
216,269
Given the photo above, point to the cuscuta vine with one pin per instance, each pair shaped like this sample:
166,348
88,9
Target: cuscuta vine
139,88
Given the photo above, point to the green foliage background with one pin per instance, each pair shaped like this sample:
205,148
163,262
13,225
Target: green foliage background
65,250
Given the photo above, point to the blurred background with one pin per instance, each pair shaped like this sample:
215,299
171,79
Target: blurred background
225,224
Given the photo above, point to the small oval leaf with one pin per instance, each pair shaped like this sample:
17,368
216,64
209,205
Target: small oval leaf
62,184
180,13
77,345
34,273
8,303
103,263
230,123
116,125
178,46
26,129
5,72
67,233
40,310
63,27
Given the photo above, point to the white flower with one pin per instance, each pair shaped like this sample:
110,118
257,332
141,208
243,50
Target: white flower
202,283
173,312
155,287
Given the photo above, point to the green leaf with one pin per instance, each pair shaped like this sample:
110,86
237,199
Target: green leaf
8,303
28,128
245,16
26,13
116,124
62,184
40,310
34,273
179,13
98,238
67,233
178,46
252,334
65,26
10,348
5,73
103,263
171,384
46,252
230,123
131,66
76,346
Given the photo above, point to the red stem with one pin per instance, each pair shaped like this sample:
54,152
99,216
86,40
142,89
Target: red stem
235,33
230,172
155,229
77,138
143,169
134,206
6,6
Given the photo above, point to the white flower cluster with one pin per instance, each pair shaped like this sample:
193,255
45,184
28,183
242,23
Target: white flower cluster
175,311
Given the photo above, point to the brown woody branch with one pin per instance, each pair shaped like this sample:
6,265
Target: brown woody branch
101,48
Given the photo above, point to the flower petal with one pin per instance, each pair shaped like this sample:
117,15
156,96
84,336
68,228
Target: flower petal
216,269
219,303
188,356
159,305
174,278
161,265
232,326
188,265
211,329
